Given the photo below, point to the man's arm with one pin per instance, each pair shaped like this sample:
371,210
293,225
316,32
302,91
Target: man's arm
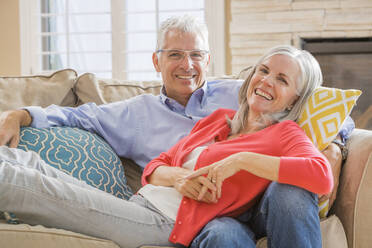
10,123
333,154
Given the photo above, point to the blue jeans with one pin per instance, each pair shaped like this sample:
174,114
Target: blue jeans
286,214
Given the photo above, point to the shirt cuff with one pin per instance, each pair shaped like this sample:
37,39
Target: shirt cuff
39,118
346,129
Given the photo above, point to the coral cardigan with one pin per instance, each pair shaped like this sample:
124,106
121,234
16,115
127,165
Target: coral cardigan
301,164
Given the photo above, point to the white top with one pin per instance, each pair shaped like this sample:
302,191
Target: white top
168,199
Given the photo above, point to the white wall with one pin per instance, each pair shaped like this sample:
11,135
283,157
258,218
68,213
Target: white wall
10,51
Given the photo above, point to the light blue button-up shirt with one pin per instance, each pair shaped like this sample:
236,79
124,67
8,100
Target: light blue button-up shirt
144,126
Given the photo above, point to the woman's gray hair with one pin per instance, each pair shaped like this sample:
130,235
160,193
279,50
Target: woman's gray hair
309,79
185,24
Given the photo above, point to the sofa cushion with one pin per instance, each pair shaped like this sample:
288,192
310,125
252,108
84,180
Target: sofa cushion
16,92
79,153
24,235
89,88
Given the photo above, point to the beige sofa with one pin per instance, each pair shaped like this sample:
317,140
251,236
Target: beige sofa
352,206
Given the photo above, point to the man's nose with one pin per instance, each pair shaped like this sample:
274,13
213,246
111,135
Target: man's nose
187,62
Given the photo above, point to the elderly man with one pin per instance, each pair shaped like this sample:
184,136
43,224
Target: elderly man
142,127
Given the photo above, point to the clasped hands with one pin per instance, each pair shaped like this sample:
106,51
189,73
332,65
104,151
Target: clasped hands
206,188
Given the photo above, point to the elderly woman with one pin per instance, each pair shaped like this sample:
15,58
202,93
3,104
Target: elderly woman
241,153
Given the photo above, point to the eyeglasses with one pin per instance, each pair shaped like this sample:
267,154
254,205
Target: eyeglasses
178,55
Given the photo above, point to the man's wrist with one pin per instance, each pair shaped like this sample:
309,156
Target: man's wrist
343,149
26,118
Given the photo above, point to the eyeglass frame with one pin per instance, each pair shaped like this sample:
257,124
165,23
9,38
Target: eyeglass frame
183,52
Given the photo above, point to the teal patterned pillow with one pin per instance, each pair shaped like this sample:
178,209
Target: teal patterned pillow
82,154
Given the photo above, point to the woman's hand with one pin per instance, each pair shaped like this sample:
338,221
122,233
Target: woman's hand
216,174
176,177
192,187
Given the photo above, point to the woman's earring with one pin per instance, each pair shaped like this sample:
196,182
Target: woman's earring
289,108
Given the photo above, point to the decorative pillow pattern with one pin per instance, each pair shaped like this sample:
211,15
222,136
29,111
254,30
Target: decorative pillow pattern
322,117
324,113
82,154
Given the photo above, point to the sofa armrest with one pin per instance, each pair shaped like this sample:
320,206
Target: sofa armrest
354,199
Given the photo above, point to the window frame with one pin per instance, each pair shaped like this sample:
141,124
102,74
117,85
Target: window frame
31,63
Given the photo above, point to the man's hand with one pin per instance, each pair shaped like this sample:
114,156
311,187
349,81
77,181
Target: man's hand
10,123
333,154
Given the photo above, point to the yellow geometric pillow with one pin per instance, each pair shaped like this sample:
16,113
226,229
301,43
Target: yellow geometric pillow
322,117
325,112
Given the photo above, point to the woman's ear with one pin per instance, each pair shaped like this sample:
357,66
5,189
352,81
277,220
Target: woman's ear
289,108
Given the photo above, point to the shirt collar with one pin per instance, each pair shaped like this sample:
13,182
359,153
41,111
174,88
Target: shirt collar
199,93
163,94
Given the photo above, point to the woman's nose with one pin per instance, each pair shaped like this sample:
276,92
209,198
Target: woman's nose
268,80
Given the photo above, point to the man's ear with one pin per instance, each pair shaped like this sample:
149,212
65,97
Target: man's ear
155,61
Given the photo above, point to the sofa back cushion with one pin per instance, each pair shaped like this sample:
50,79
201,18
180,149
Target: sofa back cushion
81,154
40,90
89,88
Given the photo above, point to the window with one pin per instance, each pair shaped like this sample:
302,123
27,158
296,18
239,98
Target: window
109,38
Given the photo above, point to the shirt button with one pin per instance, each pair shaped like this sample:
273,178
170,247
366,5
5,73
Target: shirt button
174,236
184,202
179,222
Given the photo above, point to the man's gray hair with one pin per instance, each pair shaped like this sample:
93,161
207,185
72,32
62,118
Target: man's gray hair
310,78
185,24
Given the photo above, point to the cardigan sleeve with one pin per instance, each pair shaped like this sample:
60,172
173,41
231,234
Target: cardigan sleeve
165,158
302,164
206,127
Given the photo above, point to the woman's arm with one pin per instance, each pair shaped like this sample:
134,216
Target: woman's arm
162,171
258,164
176,177
167,176
297,162
165,170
